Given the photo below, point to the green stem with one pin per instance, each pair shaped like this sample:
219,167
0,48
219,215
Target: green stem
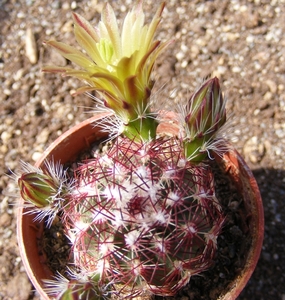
143,129
193,151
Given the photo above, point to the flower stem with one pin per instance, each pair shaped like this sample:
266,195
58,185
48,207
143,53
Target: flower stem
141,129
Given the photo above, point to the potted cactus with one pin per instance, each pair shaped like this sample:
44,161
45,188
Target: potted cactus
135,191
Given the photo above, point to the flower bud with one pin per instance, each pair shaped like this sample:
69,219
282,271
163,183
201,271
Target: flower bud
37,188
80,290
205,115
79,286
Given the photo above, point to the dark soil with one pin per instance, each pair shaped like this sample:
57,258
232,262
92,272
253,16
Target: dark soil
55,247
241,42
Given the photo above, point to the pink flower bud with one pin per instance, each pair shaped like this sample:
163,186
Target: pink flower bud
37,188
205,115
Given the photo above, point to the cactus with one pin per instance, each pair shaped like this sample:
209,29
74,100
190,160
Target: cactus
142,216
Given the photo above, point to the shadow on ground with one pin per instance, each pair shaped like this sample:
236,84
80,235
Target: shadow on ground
270,270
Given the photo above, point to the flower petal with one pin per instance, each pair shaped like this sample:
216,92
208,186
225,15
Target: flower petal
110,21
71,54
88,42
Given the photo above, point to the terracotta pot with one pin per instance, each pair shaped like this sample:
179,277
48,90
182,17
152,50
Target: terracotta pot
241,174
79,138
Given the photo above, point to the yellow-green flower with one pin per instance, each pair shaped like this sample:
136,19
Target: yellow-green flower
117,63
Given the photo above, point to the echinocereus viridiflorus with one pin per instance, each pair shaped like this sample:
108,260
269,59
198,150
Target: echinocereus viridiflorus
142,216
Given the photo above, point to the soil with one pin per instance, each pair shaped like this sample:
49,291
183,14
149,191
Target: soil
242,42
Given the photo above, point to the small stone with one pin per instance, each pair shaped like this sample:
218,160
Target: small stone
267,96
31,47
221,70
272,86
43,136
232,36
19,287
67,27
180,55
251,20
194,52
6,137
254,149
236,69
184,64
36,156
65,6
5,220
57,59
7,92
73,5
19,74
70,117
4,149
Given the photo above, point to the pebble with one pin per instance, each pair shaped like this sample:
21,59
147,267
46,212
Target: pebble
272,86
4,205
4,149
236,69
21,15
57,59
220,70
232,36
67,26
36,155
267,96
43,136
5,220
73,5
6,136
31,47
19,287
280,133
65,6
7,92
11,161
195,50
254,149
275,256
19,74
180,55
